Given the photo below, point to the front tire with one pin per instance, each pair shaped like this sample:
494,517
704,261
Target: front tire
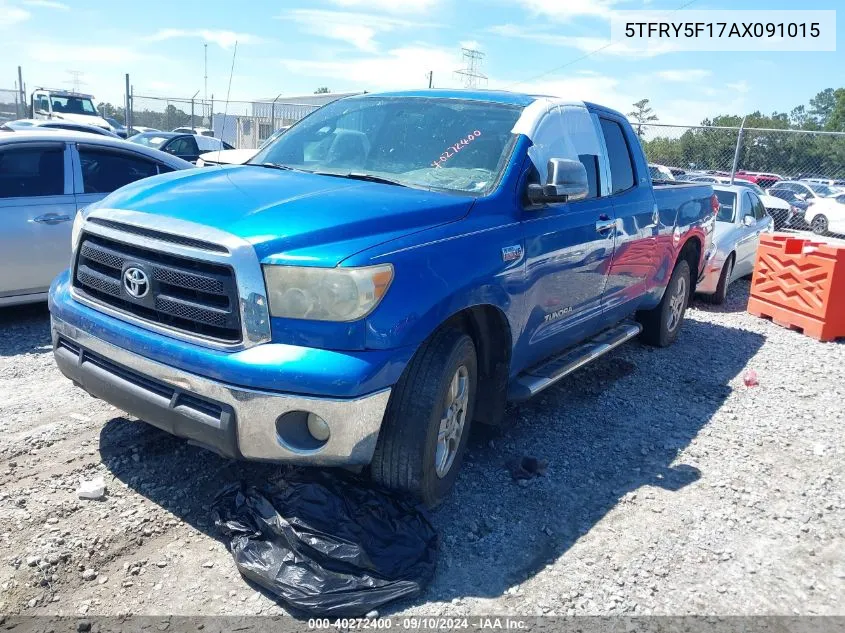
819,224
662,323
426,426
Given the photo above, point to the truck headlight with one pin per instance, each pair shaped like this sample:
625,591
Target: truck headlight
326,294
75,232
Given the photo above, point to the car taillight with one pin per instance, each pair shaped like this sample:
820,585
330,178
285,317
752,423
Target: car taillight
714,204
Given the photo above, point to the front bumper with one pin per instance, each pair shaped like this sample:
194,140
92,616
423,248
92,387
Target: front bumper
234,421
712,271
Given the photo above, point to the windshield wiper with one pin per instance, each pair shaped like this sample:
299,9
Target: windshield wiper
364,177
273,166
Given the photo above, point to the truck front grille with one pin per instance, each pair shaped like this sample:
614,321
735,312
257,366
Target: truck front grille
188,295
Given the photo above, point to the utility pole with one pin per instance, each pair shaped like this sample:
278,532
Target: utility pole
23,93
205,91
470,74
430,75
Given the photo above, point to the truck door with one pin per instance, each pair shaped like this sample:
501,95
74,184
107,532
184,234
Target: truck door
637,225
41,108
568,246
37,210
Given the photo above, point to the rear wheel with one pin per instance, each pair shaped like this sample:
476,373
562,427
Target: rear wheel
426,426
662,323
819,224
718,297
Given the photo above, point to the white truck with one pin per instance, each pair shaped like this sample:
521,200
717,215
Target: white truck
48,103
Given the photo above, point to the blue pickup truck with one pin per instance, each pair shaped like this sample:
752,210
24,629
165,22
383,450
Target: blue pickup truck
391,270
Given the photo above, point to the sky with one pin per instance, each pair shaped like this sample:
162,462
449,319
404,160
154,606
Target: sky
292,48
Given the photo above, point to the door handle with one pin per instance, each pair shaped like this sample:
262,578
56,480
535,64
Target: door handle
51,218
605,224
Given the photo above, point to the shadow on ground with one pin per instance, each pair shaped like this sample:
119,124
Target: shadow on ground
611,428
25,329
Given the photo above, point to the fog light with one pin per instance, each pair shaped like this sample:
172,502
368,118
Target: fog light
318,428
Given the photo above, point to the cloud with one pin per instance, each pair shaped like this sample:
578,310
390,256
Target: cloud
10,15
567,9
585,44
603,89
684,76
471,44
224,39
389,6
404,67
47,4
740,86
357,29
54,52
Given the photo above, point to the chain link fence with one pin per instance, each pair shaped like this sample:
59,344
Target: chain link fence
242,124
782,153
11,105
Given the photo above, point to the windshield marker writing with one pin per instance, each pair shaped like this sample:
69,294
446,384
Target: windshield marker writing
454,149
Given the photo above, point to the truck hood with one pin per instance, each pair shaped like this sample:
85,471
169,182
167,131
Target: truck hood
291,217
87,119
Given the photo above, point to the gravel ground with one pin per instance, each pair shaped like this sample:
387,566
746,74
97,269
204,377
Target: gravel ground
672,488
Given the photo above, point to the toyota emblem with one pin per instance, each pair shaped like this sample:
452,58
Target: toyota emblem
136,282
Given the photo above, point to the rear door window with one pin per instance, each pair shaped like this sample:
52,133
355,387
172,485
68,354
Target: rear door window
183,146
619,156
104,171
32,171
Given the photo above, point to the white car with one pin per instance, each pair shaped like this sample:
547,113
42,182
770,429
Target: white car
739,223
781,211
236,156
199,131
827,215
45,179
806,189
660,172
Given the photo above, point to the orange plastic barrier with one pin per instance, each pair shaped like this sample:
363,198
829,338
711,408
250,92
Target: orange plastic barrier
800,283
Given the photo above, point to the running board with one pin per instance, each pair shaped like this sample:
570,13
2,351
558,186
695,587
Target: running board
533,381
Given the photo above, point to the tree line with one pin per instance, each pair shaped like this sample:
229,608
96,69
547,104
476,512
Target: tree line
788,154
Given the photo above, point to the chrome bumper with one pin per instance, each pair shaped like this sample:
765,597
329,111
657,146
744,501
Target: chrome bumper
246,425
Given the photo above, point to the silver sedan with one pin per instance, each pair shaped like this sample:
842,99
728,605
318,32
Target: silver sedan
45,178
741,219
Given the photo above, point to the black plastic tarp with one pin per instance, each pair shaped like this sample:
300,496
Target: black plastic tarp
327,544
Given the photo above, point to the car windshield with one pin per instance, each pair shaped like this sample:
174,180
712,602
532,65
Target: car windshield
73,105
820,189
750,185
150,140
425,142
727,206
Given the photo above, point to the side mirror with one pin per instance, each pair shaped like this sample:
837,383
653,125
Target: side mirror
566,181
748,220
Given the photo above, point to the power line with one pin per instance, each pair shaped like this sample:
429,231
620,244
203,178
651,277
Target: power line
470,74
75,79
586,55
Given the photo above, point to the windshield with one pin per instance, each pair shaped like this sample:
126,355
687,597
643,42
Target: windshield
447,144
73,105
820,189
273,137
727,206
750,185
150,140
